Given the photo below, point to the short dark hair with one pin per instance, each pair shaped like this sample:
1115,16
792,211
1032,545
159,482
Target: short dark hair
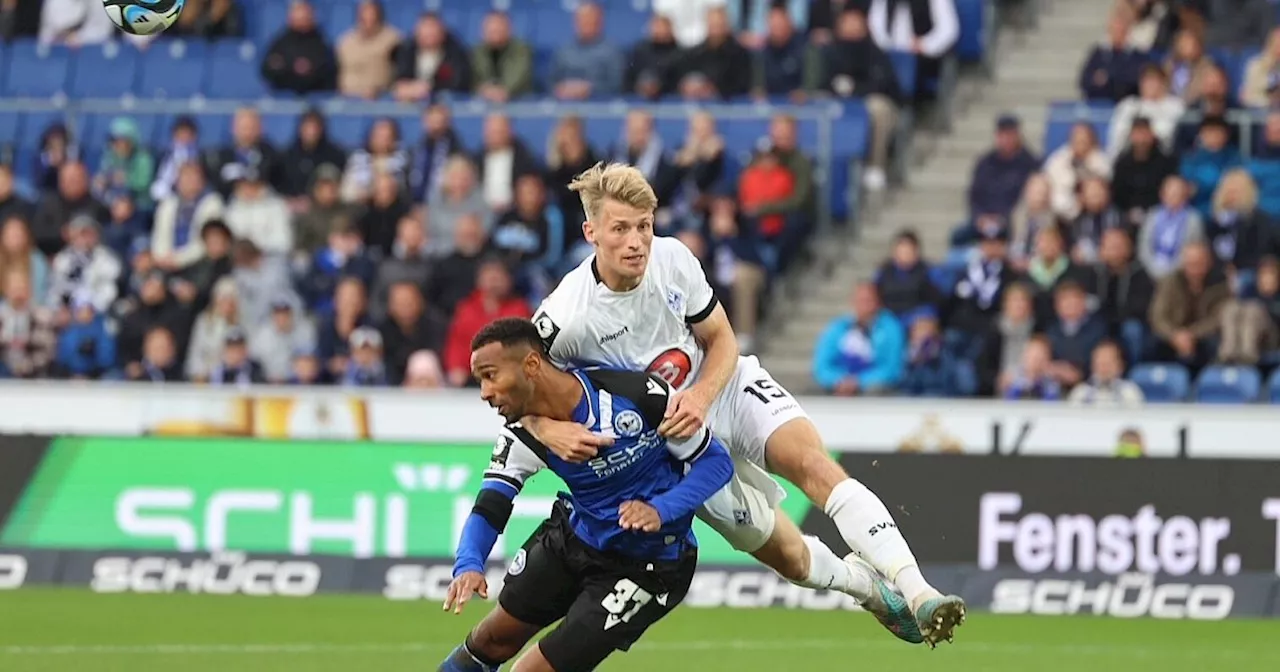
510,332
216,225
1069,286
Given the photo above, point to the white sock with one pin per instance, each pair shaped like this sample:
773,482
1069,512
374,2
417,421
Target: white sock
867,527
827,571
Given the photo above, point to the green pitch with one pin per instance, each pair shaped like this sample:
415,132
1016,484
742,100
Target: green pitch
70,630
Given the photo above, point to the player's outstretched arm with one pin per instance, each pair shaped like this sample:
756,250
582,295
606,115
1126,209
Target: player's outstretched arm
710,469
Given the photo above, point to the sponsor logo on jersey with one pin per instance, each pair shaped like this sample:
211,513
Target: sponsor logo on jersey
609,338
672,366
628,423
517,563
675,301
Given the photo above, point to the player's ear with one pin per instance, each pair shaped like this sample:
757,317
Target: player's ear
588,232
532,364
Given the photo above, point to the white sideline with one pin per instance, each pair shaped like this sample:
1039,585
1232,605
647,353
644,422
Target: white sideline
304,648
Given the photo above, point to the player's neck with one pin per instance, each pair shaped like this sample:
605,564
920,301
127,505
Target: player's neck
557,396
615,281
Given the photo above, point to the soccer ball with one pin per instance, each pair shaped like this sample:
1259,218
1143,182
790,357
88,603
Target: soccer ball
143,17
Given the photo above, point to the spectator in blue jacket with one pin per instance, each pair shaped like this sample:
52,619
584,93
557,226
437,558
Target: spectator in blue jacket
1073,333
999,176
85,348
863,353
1204,166
344,256
590,65
1265,166
1111,73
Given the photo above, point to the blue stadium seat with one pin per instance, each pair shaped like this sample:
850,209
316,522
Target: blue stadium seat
404,16
456,18
1273,388
106,71
1228,385
349,130
269,18
9,124
554,28
37,72
974,24
280,129
234,71
215,129
1162,383
175,69
336,20
624,25
904,66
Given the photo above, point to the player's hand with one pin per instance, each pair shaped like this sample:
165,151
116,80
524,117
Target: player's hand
636,515
686,414
463,587
570,441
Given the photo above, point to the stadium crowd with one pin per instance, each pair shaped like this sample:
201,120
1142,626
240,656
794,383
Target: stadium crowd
1156,243
316,263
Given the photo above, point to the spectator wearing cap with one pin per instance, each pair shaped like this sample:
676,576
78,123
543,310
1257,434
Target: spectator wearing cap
590,65
85,265
274,343
18,253
1034,377
300,59
214,263
257,213
58,208
780,63
862,353
248,152
259,278
1169,228
365,63
1238,24
854,66
1139,172
176,242
1070,164
903,280
1186,312
381,155
410,261
440,143
1264,166
718,67
126,165
1002,346
998,177
424,372
1111,71
85,348
159,359
453,276
502,65
154,308
433,61
1204,166
324,211
460,197
1121,291
1155,102
1237,233
365,367
27,336
975,301
492,299
502,160
235,367
350,312
1260,74
210,331
184,148
312,149
652,64
1106,385
1073,332
344,256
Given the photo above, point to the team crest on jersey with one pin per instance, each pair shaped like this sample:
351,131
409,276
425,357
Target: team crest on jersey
675,301
547,329
628,423
517,563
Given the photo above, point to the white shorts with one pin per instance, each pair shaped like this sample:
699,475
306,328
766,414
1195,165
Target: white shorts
749,410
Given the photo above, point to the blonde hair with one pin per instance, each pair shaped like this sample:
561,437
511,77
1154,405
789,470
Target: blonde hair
615,182
1247,191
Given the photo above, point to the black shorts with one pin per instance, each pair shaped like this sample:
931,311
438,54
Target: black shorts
607,601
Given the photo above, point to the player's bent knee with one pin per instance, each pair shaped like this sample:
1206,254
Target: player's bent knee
500,636
785,551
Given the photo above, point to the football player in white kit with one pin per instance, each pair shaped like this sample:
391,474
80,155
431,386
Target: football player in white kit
643,303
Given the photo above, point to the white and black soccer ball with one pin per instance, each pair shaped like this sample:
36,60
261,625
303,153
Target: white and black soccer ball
143,17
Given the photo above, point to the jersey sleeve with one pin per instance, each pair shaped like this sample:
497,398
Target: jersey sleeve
512,462
690,449
552,320
700,299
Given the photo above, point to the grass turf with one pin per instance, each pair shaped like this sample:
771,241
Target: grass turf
58,630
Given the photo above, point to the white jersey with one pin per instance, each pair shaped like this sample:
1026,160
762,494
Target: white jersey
584,323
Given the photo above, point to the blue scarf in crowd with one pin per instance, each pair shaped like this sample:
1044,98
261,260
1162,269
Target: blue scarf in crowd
1168,234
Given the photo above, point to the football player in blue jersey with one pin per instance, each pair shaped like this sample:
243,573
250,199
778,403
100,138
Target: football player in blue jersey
618,552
